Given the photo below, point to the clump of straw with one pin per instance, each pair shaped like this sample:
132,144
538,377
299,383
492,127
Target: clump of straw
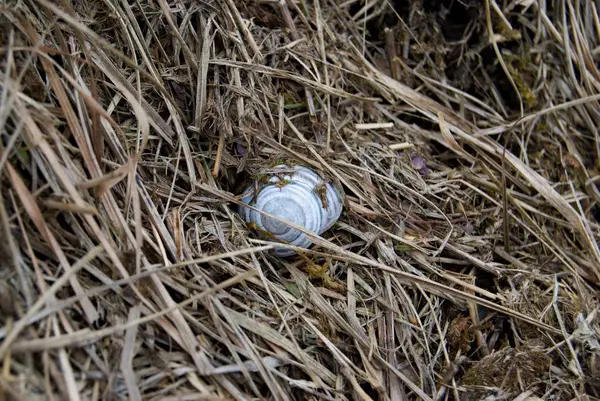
463,133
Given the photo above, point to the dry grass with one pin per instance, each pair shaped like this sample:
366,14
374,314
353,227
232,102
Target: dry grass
465,135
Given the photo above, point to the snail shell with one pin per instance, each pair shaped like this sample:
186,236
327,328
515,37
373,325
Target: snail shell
295,194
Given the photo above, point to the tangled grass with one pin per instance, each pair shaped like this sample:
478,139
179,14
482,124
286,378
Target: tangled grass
464,134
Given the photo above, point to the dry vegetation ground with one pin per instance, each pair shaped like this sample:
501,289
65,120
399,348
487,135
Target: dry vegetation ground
464,133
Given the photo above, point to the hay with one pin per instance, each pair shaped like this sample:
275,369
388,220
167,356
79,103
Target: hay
464,134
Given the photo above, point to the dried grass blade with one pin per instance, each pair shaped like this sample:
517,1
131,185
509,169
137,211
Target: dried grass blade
87,336
189,56
201,83
153,118
237,18
61,93
155,217
422,103
70,207
345,364
277,339
283,74
67,369
450,141
34,212
545,190
325,307
48,295
128,354
107,181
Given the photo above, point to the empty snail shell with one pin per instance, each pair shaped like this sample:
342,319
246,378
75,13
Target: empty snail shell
296,194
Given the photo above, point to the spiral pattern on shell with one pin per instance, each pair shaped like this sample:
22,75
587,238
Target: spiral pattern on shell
295,194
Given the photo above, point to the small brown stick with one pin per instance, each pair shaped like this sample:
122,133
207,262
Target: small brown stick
505,222
289,21
219,155
390,48
473,313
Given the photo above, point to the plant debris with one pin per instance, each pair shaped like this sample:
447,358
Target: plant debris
464,135
510,370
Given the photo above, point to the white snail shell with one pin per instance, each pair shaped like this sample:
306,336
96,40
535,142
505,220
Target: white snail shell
294,194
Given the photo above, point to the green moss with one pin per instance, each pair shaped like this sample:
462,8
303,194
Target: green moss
522,71
283,182
402,248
